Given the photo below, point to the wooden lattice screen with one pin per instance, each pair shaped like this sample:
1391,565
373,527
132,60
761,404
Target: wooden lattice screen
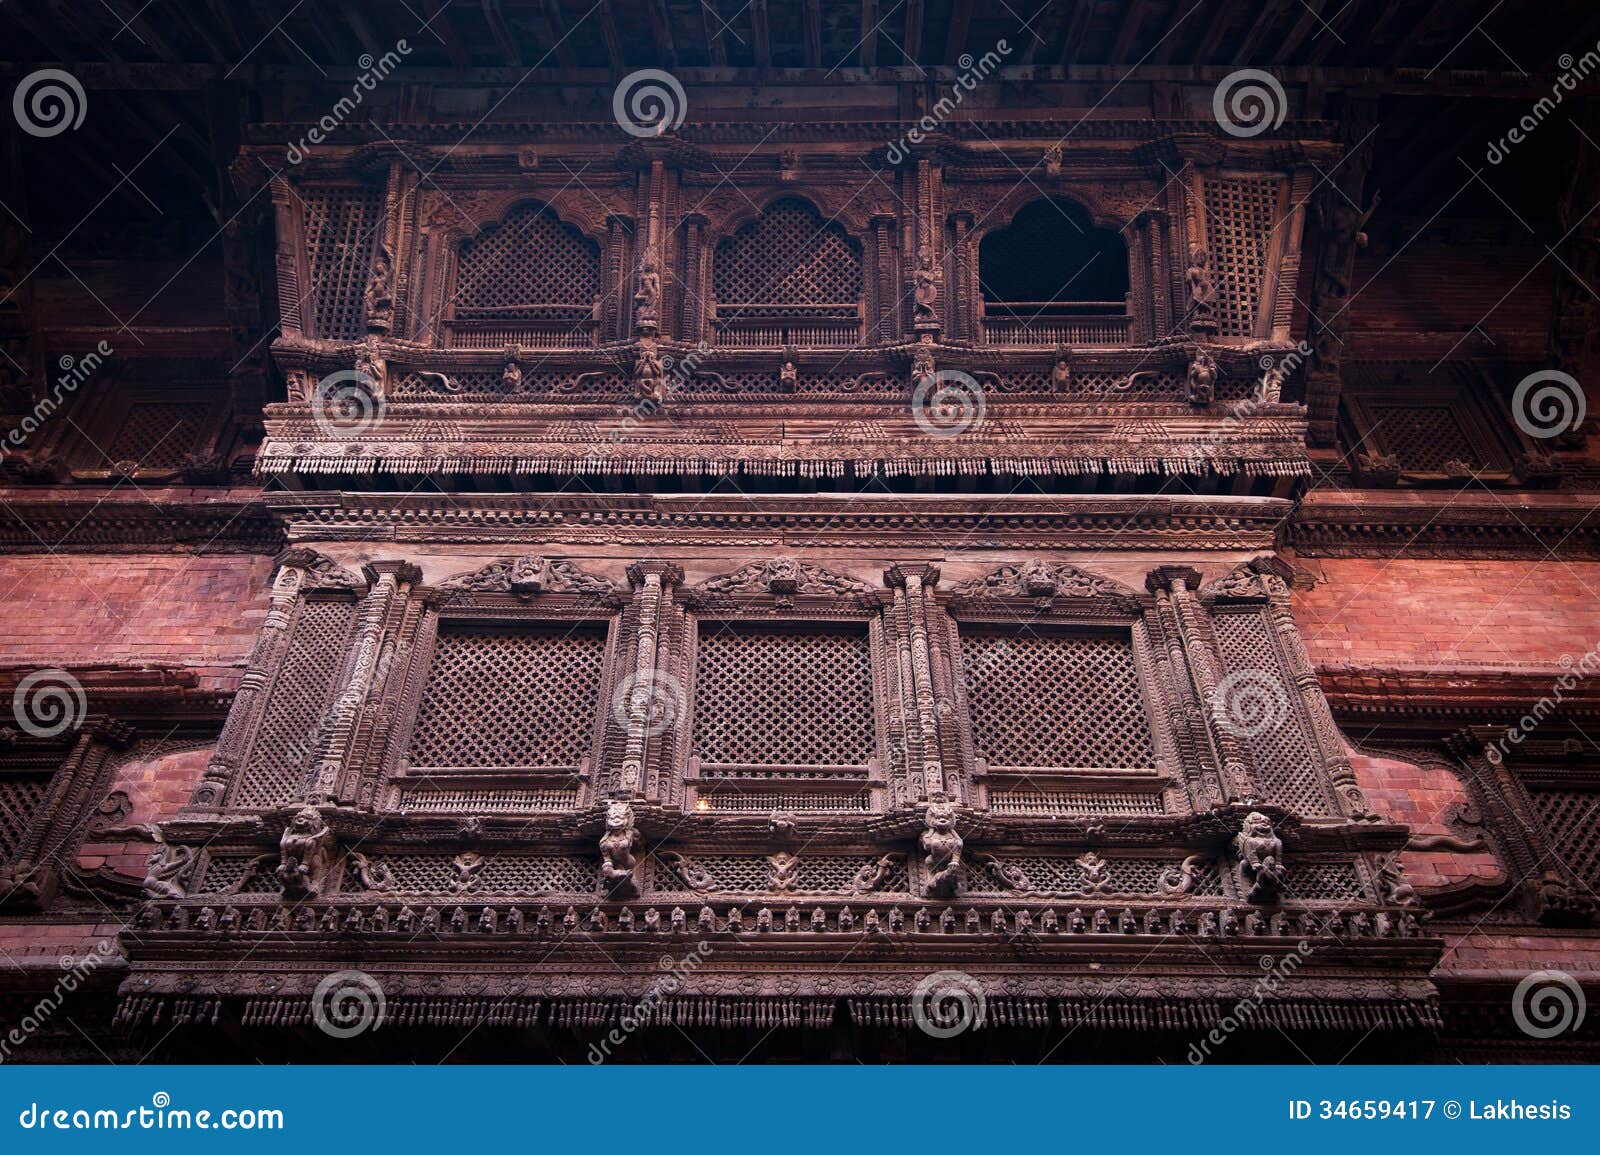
295,722
21,795
1288,770
789,255
1056,702
1240,215
1571,820
770,698
527,264
510,698
343,227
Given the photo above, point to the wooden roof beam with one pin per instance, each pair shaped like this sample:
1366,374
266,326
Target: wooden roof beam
495,17
1214,34
761,34
811,32
915,17
611,37
1424,25
955,40
1128,34
1310,17
1076,31
439,20
712,19
1262,23
661,32
867,51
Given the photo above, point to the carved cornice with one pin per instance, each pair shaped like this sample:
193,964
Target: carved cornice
1015,521
529,575
1040,579
1558,526
1452,695
781,577
68,519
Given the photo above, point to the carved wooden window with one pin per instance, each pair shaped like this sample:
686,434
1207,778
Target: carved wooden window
24,787
1051,277
510,698
294,720
784,717
343,226
788,277
1053,701
1288,770
1434,424
1241,215
529,280
147,431
1569,813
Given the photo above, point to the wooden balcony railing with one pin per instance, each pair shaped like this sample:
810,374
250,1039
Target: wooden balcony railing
1054,322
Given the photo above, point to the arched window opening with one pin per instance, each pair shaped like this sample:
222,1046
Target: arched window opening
789,277
1052,277
530,280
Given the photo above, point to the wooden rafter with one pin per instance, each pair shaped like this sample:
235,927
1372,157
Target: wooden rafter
955,40
494,16
867,53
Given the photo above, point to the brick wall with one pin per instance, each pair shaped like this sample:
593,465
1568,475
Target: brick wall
136,609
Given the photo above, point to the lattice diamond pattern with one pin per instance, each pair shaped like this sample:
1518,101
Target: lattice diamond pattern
1572,822
21,795
752,874
1323,880
157,434
769,698
1287,768
510,697
1423,437
1052,701
500,874
1240,214
292,725
342,232
531,259
1053,874
788,256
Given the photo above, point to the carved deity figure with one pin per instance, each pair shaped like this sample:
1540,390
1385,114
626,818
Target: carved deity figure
1061,374
617,860
788,377
943,847
1038,579
926,292
922,367
649,378
304,854
371,364
1202,378
511,374
380,292
1202,293
1260,853
647,294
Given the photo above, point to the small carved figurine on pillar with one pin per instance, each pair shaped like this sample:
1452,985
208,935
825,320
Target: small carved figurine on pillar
617,860
926,293
305,853
1202,380
511,372
647,296
1202,294
649,378
1260,853
380,292
1061,372
943,846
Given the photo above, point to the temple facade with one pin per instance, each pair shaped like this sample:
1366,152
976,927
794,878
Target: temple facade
839,532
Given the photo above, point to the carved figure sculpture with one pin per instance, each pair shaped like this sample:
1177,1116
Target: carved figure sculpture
617,860
1260,853
1202,294
926,291
647,294
943,848
304,853
1202,378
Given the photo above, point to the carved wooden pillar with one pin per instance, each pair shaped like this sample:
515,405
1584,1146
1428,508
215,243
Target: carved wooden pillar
1339,224
911,585
249,700
648,689
885,285
691,291
959,315
1204,666
1139,286
617,320
1330,746
290,258
1201,768
385,579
